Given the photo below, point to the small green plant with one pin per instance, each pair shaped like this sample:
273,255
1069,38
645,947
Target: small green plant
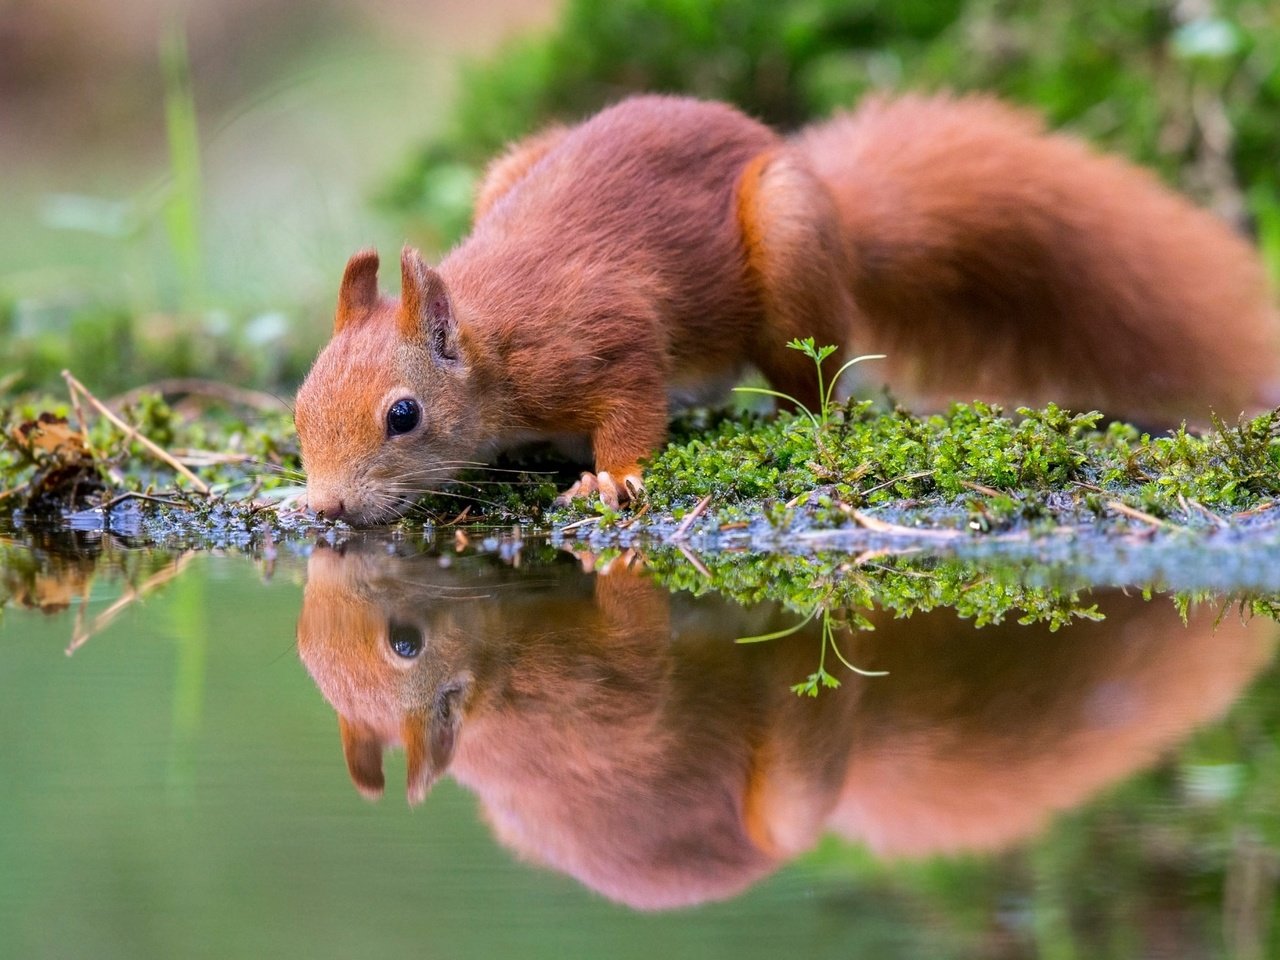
812,685
826,391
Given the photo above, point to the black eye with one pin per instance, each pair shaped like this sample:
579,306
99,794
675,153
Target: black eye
405,639
403,416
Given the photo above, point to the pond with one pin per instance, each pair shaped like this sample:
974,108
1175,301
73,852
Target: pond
482,745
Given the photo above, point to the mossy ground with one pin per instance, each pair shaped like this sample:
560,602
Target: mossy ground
1033,467
973,468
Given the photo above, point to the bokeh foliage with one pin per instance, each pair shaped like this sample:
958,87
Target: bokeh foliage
1193,90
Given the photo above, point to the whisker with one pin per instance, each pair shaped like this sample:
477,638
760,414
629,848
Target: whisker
480,465
445,473
413,502
287,404
472,483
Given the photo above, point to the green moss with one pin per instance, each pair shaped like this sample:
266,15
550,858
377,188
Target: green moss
864,457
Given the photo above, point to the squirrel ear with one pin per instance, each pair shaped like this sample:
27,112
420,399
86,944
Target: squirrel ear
363,751
426,307
359,290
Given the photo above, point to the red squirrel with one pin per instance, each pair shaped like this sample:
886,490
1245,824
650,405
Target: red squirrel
652,252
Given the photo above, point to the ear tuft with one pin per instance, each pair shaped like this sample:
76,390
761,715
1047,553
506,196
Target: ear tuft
426,309
421,774
413,282
431,738
359,290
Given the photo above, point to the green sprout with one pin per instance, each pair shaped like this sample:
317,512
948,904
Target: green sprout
812,685
825,390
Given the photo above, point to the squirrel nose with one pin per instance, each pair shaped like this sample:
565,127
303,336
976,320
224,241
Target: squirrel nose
326,507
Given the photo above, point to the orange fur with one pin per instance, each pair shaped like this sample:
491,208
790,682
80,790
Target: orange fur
512,166
613,732
650,253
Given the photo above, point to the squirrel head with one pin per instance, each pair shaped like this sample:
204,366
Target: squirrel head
397,673
388,411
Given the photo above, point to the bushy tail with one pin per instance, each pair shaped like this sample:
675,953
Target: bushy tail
992,260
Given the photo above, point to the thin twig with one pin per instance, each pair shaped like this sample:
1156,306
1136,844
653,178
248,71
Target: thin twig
82,634
1254,511
83,422
209,458
142,496
876,525
1188,505
579,523
683,530
460,517
1136,514
634,517
156,450
980,488
902,479
693,560
866,556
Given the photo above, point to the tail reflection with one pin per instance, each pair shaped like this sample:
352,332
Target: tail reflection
615,732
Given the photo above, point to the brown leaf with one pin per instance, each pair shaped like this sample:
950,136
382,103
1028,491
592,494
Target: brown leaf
50,436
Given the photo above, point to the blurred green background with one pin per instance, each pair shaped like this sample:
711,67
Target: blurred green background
182,183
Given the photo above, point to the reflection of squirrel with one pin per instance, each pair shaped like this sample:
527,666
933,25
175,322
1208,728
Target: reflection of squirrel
656,249
613,732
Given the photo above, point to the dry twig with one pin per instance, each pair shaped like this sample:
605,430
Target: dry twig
75,386
682,531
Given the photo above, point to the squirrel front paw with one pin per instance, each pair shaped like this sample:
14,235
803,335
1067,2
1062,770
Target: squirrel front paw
612,493
615,494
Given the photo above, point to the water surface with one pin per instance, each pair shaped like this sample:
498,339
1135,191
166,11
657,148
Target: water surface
574,757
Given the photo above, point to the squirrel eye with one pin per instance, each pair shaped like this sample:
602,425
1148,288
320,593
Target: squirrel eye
405,639
403,416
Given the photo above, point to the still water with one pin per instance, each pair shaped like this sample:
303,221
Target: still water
388,749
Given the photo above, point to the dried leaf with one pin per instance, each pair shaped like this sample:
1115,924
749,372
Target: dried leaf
51,437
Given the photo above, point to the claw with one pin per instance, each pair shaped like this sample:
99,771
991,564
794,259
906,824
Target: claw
611,493
585,486
615,495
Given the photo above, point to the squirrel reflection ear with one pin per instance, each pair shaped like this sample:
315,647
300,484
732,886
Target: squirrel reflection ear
363,750
359,290
422,773
426,308
429,740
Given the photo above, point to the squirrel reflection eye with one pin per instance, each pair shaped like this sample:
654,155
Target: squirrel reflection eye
405,639
403,416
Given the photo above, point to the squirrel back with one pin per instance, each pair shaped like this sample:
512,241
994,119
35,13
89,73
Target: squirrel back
653,251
